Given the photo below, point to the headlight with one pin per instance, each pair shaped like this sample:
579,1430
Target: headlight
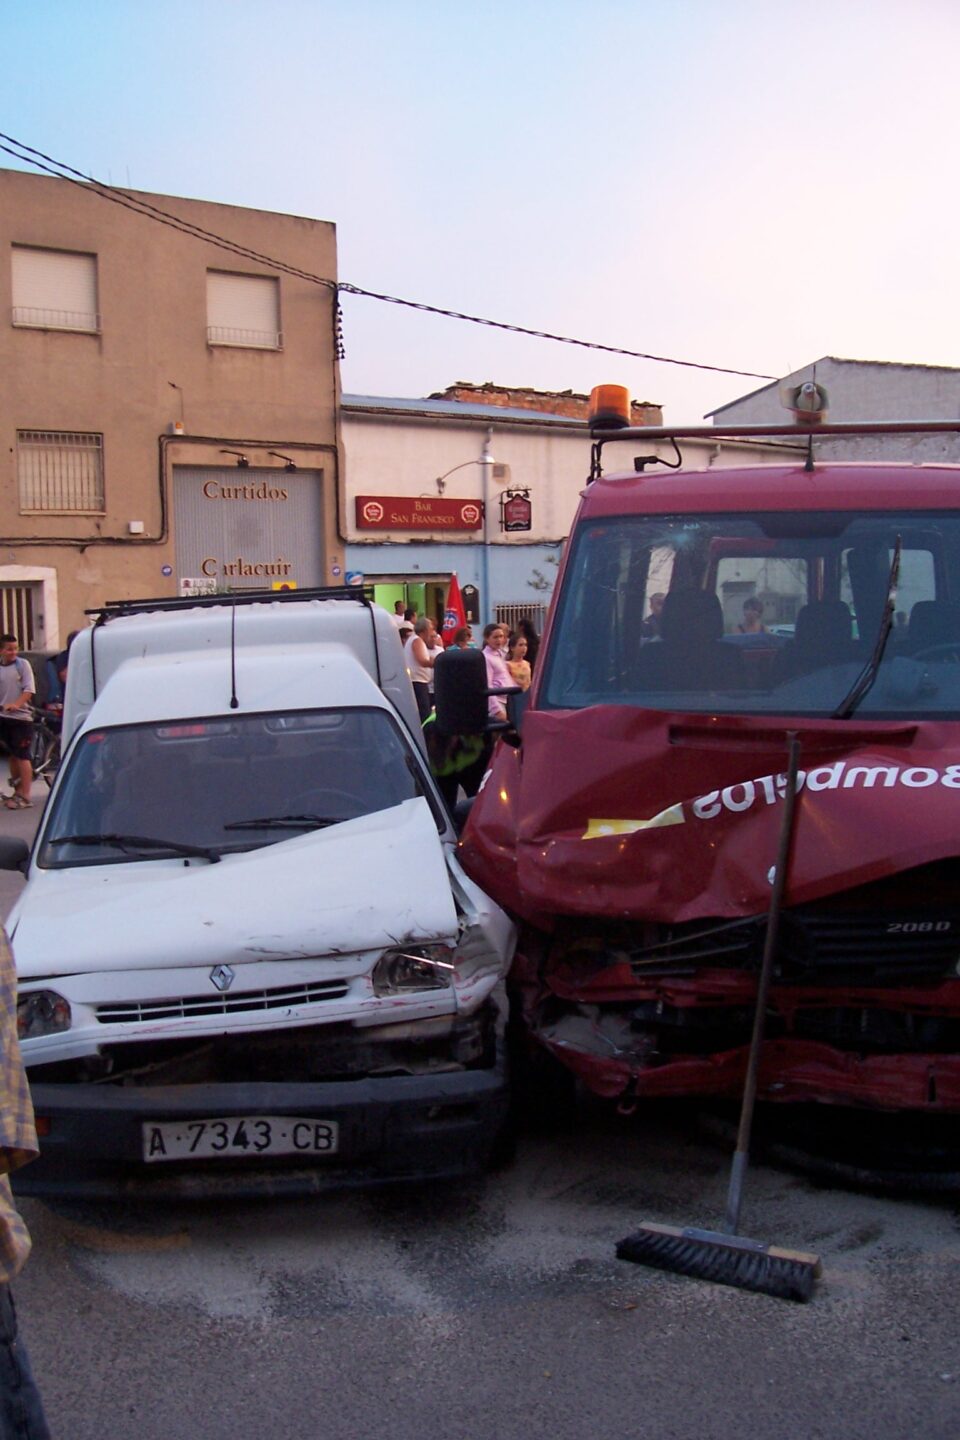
42,1012
414,967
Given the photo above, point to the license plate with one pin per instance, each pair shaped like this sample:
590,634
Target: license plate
238,1137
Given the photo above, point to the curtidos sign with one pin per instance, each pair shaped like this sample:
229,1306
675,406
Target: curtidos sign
420,512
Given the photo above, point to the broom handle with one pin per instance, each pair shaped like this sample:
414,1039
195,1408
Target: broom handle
741,1154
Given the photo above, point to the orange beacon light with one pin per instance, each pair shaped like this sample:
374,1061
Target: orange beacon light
609,407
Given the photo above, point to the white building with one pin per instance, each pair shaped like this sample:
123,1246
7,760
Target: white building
865,390
414,492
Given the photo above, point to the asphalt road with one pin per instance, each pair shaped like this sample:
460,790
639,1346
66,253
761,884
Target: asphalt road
495,1311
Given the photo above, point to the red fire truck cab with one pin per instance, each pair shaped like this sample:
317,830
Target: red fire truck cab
633,827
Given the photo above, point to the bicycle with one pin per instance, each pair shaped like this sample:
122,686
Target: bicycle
44,747
45,752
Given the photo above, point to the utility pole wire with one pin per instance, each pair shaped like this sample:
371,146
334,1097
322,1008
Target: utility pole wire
130,201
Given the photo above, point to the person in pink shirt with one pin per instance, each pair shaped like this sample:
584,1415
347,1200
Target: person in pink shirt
498,676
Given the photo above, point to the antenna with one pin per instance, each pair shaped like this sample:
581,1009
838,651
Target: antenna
234,702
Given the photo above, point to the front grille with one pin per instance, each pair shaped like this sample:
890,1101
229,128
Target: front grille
138,1011
876,934
701,942
889,947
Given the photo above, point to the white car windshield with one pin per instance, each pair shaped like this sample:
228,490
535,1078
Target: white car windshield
777,613
204,788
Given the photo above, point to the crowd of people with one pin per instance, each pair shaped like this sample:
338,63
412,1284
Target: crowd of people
509,655
459,761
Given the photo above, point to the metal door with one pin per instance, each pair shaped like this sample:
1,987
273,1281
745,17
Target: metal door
241,528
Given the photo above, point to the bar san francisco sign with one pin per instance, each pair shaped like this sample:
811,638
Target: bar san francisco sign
418,512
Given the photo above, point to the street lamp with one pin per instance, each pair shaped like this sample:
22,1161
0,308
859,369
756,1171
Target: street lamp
486,462
439,482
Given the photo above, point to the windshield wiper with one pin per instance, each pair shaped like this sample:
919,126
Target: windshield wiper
139,842
284,822
864,681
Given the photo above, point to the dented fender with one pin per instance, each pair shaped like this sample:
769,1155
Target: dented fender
624,813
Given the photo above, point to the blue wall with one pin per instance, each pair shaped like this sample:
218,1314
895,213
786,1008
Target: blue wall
512,567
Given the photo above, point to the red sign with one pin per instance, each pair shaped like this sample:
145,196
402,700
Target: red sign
516,511
417,512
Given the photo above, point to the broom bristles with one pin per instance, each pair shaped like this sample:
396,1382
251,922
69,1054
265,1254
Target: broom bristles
724,1259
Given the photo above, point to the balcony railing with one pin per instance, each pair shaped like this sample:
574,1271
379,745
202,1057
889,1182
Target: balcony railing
247,339
33,317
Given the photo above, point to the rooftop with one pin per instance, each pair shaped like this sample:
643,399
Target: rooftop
835,360
454,409
518,404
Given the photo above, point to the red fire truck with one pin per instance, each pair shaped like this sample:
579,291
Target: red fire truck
632,825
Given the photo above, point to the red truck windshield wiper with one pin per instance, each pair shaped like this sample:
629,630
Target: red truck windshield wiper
864,681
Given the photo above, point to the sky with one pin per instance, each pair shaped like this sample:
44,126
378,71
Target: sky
730,182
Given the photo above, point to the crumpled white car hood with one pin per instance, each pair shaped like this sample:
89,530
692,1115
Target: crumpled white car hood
361,885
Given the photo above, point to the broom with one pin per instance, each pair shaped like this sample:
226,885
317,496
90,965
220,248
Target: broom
724,1256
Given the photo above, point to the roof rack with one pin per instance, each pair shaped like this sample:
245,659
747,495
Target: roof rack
603,434
113,609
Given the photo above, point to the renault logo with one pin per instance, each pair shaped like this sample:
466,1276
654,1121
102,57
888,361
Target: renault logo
222,976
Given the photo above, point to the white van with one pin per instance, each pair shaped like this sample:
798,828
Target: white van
248,957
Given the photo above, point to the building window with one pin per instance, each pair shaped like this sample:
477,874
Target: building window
59,470
55,290
509,613
243,310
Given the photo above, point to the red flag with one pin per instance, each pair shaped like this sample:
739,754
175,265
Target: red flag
453,616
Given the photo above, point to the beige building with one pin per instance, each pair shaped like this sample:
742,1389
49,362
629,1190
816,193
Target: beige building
170,405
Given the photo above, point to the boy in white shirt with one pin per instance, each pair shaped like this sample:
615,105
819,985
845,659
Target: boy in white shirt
17,689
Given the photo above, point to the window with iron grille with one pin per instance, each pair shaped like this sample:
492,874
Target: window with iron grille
54,290
18,614
59,470
508,614
243,310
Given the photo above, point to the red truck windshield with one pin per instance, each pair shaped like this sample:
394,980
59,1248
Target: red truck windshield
769,613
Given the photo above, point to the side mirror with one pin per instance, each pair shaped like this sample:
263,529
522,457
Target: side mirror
460,692
517,708
14,853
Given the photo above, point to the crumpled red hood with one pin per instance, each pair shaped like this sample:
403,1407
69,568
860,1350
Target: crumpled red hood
630,813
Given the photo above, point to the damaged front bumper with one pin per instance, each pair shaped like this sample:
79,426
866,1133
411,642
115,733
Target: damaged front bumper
418,1117
627,1037
789,1071
390,1129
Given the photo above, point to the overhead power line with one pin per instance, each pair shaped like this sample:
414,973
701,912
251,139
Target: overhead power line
548,335
152,212
131,201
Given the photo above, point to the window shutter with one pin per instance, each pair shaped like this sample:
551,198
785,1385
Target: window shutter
243,310
55,289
